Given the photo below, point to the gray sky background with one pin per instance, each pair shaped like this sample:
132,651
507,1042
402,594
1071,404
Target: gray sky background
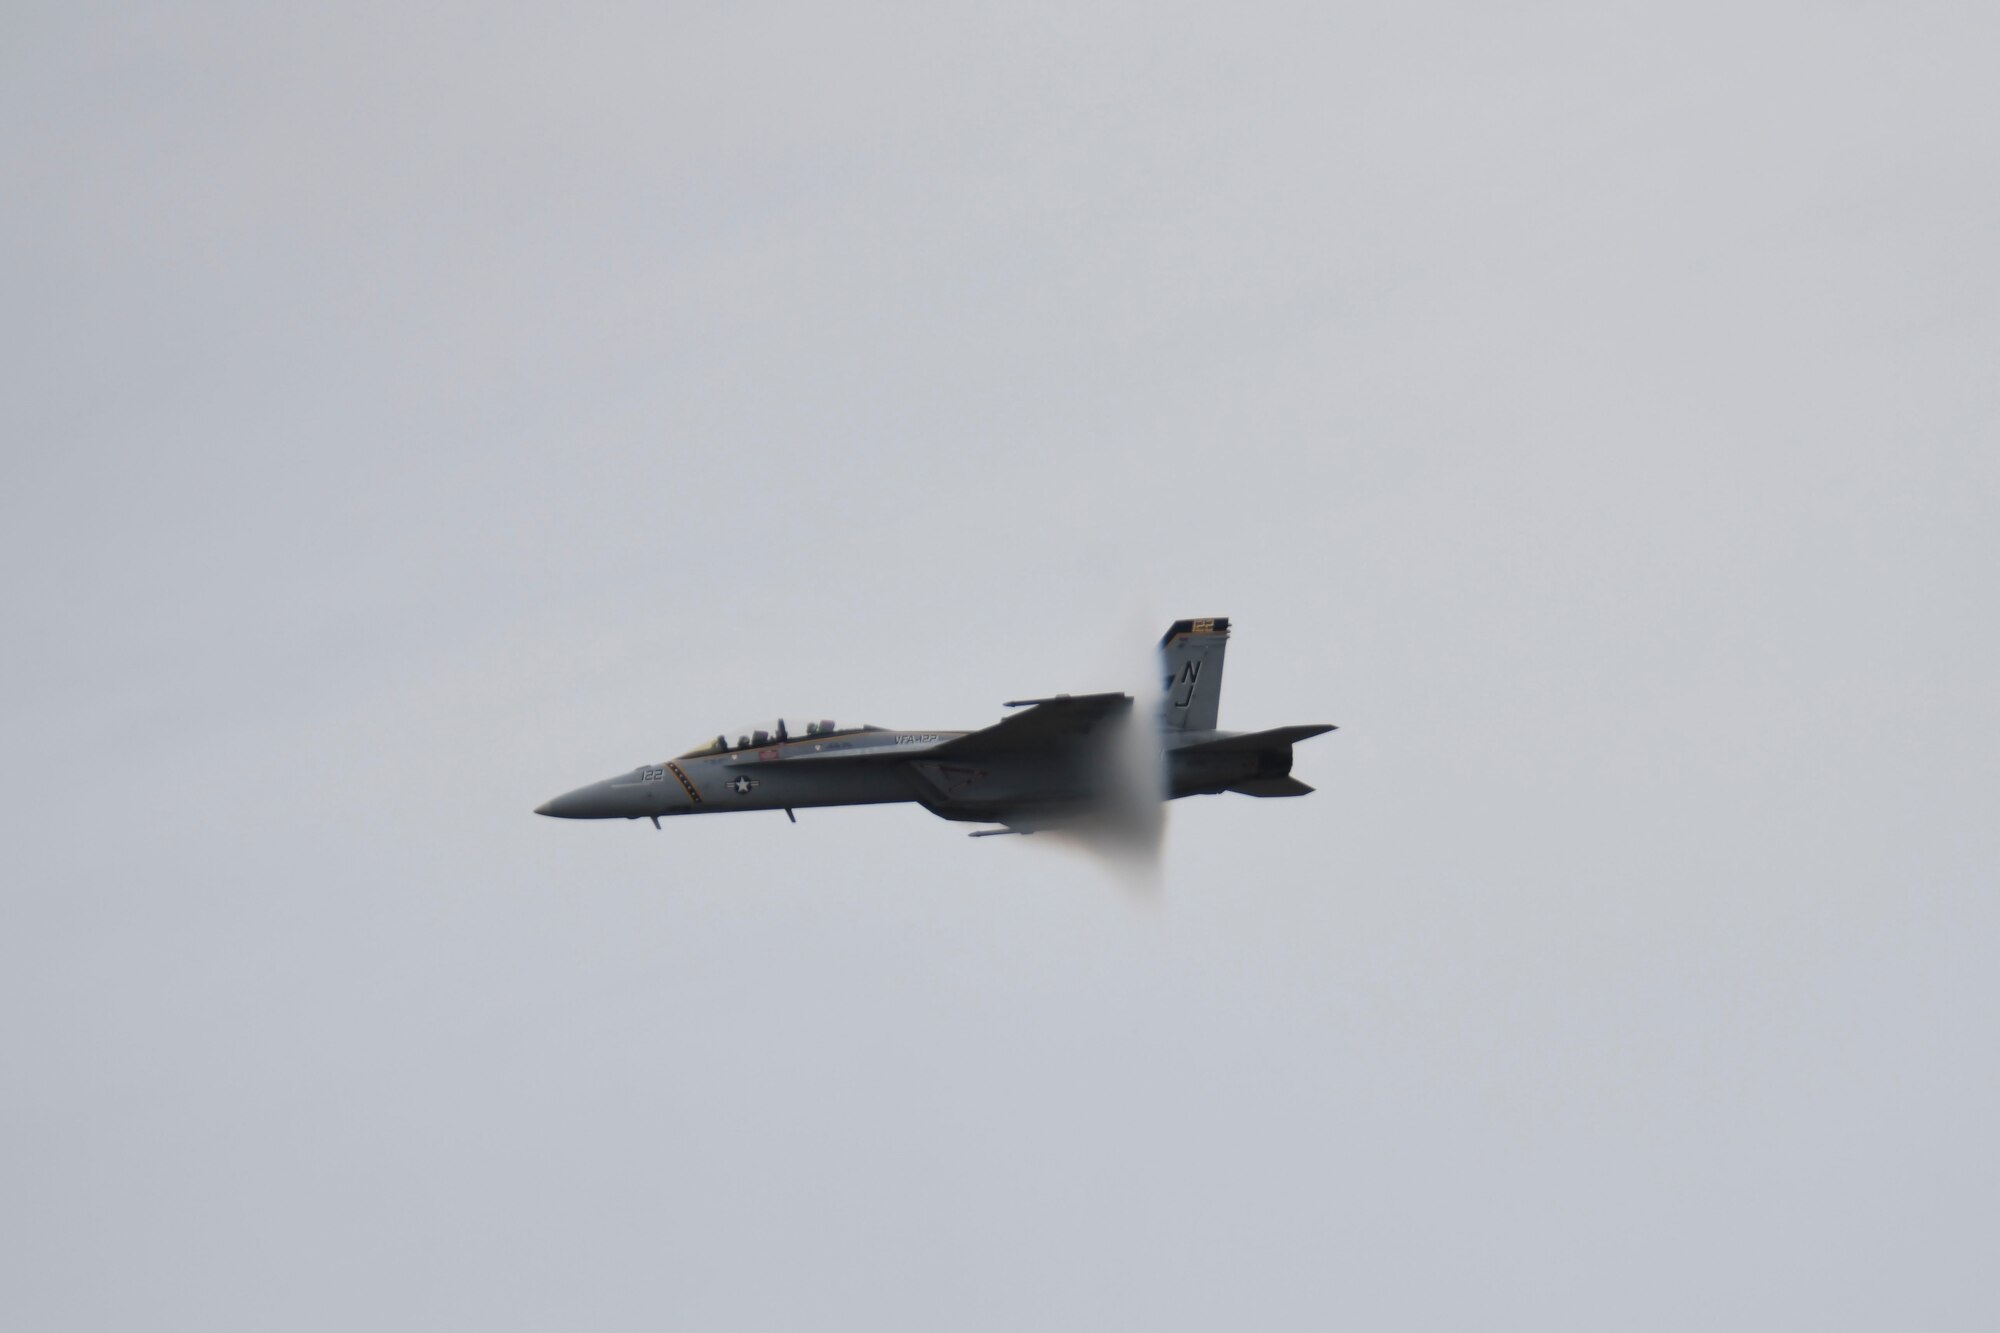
412,412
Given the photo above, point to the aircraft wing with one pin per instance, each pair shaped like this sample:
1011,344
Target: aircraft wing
1044,724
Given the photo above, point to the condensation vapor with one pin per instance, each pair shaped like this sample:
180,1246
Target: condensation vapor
1126,832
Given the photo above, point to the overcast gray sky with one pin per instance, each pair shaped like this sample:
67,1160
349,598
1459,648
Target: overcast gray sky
412,412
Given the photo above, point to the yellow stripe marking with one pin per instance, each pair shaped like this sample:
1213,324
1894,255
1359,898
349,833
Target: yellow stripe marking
686,786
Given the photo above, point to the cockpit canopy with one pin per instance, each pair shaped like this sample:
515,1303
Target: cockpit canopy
775,732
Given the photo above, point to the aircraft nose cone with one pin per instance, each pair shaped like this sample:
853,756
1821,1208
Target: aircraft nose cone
583,803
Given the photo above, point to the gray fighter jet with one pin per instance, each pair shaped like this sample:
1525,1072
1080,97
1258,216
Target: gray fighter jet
1058,763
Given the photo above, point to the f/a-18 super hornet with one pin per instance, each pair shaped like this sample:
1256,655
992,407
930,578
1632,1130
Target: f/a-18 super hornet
1057,763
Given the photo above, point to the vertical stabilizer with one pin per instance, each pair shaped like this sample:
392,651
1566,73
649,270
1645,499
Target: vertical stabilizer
1191,661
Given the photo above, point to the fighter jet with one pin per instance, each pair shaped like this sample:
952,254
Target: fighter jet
1058,763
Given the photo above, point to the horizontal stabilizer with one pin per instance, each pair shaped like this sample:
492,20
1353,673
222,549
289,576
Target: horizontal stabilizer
1251,742
1282,786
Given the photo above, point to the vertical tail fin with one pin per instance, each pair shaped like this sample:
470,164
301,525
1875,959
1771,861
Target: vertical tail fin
1191,660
